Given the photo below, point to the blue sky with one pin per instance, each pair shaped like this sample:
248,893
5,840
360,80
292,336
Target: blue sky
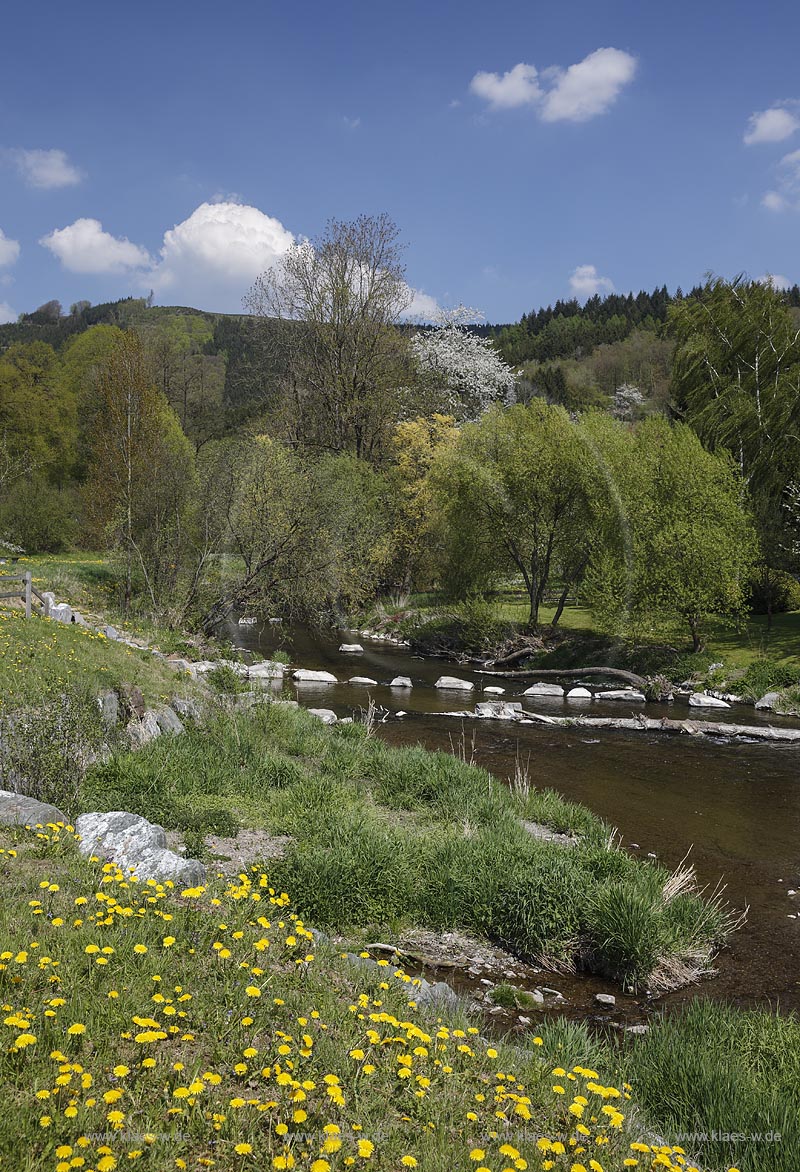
525,150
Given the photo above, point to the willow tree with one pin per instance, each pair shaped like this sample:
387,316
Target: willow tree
517,491
339,299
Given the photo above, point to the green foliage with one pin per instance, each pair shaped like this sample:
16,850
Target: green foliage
46,748
767,675
226,680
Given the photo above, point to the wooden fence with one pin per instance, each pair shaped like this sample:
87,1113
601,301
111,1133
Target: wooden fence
28,592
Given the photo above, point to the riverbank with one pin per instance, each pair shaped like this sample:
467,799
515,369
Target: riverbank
214,1028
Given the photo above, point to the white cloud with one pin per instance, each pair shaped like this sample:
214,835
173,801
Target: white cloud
585,281
217,253
590,87
350,123
9,249
83,247
422,306
46,168
786,195
773,125
7,314
518,87
776,280
576,94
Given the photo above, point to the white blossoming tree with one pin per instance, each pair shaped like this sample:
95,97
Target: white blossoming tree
464,372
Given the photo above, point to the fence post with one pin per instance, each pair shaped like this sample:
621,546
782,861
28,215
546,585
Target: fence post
28,576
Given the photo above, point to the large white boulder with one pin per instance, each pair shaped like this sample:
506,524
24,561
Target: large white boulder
704,700
454,684
494,690
351,648
579,694
135,844
365,681
544,690
265,671
631,695
305,675
401,682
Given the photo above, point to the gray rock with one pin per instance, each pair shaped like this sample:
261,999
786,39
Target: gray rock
180,665
305,675
131,701
108,703
365,681
401,682
546,834
453,683
201,667
498,710
19,810
61,612
168,720
109,632
437,996
706,700
326,715
631,695
605,999
142,732
639,1028
579,694
544,690
186,709
351,648
266,671
135,844
79,620
768,700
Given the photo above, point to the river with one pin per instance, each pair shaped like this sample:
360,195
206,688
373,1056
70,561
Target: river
735,805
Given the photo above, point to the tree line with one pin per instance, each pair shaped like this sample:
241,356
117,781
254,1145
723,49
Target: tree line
385,458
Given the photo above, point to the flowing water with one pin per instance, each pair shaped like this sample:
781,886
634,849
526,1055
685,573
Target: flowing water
735,804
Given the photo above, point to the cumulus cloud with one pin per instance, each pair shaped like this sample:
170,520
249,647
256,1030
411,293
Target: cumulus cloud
786,194
775,280
773,125
84,247
7,314
518,87
585,281
46,169
422,307
218,252
576,94
9,249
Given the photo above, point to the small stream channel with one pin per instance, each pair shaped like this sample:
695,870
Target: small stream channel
735,804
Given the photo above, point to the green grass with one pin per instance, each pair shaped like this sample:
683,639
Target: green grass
713,1068
40,658
144,1027
405,836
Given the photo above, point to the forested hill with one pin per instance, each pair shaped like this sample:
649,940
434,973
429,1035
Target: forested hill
571,330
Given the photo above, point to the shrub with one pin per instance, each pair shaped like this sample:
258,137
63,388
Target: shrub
767,675
226,680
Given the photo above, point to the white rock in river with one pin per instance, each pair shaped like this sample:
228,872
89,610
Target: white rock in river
703,700
498,710
630,694
579,694
544,690
364,680
768,701
401,682
305,675
493,690
454,684
352,648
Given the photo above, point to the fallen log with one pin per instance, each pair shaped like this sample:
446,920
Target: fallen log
628,676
